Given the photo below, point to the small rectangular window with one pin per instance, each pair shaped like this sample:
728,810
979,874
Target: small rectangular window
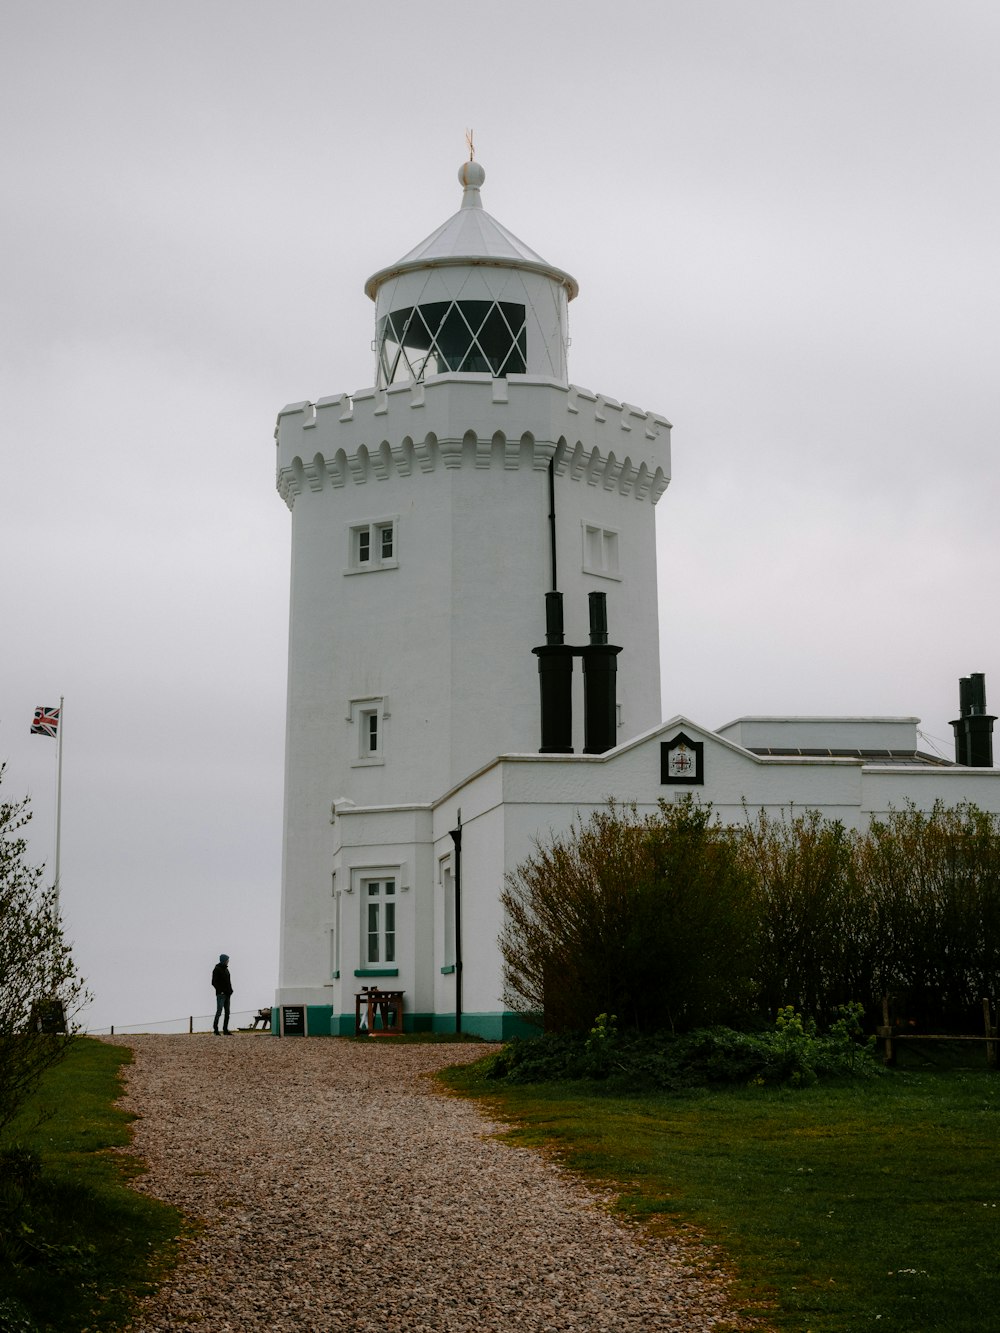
372,546
368,717
600,551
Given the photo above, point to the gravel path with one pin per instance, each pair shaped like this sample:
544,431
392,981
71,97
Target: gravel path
341,1191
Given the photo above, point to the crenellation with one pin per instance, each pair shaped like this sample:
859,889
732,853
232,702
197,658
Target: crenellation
362,434
294,409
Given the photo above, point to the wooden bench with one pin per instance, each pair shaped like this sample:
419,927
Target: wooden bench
263,1017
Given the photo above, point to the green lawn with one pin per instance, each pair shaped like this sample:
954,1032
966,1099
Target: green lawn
870,1205
84,1245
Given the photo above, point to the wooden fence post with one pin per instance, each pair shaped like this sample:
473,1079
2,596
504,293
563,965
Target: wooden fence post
991,1034
885,1032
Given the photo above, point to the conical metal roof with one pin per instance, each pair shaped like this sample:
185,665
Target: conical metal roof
472,238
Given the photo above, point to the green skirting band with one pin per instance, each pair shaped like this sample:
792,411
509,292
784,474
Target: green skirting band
321,1021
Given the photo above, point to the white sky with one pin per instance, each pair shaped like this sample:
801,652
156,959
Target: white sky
784,218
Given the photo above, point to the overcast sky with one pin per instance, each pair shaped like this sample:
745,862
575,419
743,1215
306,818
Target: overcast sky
784,219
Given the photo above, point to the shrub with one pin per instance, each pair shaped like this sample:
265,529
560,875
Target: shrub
790,1053
815,927
646,918
933,882
672,921
39,987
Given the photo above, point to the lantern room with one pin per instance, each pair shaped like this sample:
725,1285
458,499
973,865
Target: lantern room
470,299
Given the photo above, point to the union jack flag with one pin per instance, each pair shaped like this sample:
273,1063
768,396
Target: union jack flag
46,722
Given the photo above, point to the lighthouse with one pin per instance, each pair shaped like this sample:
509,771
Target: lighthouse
473,576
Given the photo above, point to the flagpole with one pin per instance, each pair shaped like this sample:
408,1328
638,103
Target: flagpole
62,724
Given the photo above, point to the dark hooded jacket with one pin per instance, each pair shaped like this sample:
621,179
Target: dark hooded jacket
221,980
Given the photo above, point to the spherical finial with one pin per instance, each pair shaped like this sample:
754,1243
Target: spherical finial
471,175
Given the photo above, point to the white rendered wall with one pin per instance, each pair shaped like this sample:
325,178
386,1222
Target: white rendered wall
443,639
515,801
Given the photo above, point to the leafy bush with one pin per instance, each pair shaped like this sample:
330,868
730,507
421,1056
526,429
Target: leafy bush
791,1053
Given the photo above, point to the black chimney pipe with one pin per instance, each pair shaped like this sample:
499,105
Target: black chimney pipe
555,681
974,726
600,680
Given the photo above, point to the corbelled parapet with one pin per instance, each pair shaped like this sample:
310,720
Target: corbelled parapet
459,420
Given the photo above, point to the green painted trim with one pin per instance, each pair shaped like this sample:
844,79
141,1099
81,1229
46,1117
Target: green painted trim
376,971
335,976
318,1019
447,970
491,1027
321,1021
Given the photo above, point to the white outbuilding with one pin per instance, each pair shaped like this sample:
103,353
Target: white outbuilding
474,642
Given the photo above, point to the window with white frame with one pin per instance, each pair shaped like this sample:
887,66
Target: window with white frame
378,927
447,882
372,546
368,716
600,551
371,733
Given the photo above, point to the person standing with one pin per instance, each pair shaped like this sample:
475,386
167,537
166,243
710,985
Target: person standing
223,994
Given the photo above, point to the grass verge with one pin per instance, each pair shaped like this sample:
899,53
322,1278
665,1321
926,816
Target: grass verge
80,1248
868,1205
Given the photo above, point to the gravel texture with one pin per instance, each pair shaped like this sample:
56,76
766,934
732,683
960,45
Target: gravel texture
341,1190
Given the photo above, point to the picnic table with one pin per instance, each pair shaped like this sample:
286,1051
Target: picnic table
372,1004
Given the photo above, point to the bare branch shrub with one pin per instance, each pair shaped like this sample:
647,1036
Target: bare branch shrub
648,918
933,880
815,924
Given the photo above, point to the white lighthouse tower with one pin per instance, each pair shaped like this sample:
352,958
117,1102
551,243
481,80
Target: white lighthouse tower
434,516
